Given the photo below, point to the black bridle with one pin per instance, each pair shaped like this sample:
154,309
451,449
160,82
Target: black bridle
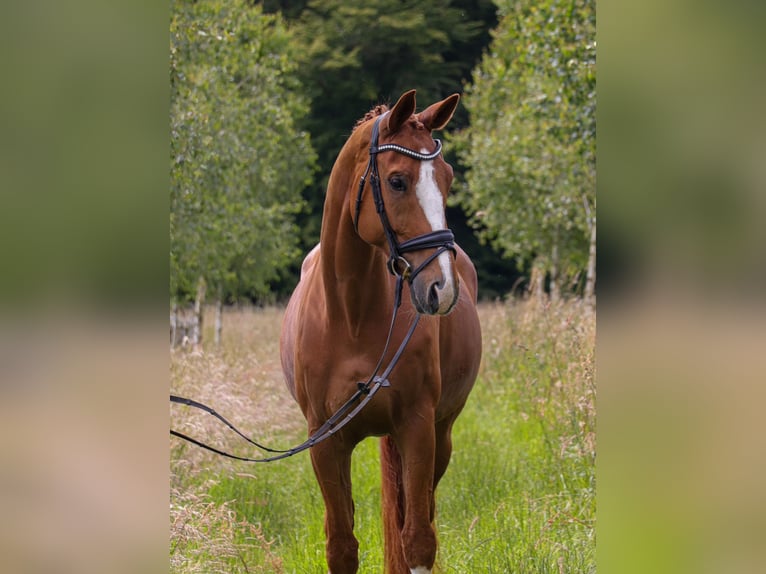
442,239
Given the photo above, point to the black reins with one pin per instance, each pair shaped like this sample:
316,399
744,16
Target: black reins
441,240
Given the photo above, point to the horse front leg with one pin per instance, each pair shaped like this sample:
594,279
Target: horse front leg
443,452
332,466
417,447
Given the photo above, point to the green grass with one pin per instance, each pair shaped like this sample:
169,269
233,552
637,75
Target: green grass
519,495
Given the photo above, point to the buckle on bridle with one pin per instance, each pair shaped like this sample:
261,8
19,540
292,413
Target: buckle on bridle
400,267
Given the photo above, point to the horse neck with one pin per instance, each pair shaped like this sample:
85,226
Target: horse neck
357,285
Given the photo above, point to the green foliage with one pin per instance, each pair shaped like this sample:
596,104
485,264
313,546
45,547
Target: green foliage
530,148
522,475
363,49
238,161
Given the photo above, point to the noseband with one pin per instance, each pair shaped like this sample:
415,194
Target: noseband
442,240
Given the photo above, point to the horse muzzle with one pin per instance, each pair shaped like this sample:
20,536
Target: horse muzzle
434,296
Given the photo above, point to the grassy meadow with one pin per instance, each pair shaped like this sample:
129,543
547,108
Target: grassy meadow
518,497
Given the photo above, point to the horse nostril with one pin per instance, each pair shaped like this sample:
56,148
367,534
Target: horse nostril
433,298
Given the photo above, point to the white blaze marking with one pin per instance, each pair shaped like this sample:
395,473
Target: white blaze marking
430,199
420,570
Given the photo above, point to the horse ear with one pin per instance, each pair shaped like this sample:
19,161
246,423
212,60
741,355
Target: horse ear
438,115
402,111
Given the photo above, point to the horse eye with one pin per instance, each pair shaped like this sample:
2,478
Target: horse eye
397,183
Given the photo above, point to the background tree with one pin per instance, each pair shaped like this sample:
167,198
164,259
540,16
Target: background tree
530,148
362,52
238,161
358,53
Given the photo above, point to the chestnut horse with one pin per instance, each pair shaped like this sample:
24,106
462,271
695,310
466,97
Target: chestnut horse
385,198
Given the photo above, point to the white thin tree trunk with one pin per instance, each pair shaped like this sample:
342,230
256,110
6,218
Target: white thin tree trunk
555,288
199,303
590,275
218,316
537,281
174,324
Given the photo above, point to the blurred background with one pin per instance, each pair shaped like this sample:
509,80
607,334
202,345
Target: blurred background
682,315
90,113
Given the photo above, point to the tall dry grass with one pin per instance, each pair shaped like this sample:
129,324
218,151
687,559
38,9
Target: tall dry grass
242,380
520,493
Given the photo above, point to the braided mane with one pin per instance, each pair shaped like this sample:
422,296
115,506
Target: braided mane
378,110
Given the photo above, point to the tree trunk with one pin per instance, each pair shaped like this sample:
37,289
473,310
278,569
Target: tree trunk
555,288
174,324
199,304
218,316
537,281
590,276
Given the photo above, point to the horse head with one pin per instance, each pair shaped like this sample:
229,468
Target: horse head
400,206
